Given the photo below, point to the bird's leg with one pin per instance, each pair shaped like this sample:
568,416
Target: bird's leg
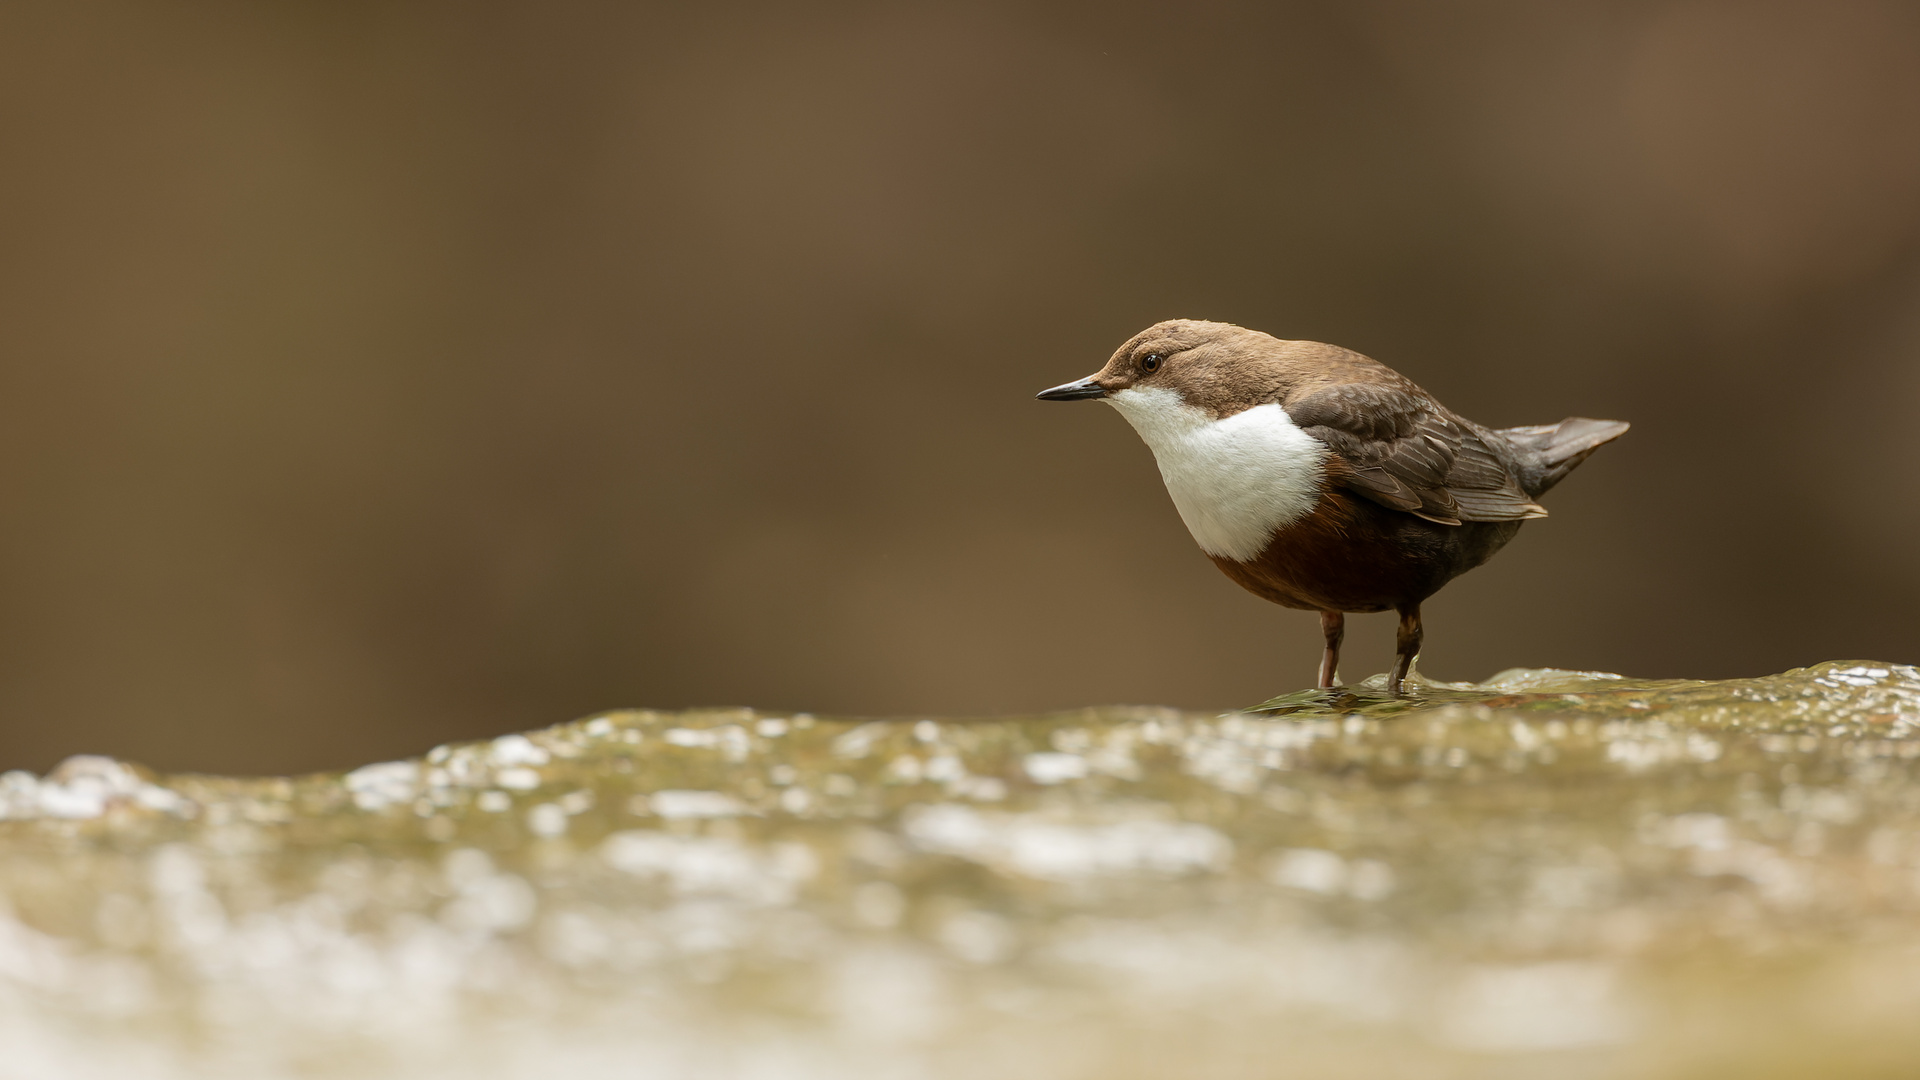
1334,625
1406,646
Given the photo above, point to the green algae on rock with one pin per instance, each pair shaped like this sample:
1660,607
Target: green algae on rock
1550,873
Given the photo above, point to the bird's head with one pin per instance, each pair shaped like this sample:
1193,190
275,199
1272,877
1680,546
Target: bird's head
1208,366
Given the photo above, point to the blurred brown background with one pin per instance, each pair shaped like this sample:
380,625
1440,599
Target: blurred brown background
379,374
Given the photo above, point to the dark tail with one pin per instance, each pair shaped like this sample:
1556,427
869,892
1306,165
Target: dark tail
1546,453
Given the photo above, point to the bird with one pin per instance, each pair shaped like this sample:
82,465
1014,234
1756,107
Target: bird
1323,480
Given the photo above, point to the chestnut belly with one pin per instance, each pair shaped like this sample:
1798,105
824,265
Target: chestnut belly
1351,554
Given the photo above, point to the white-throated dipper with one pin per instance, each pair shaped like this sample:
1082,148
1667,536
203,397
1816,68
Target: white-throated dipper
1322,480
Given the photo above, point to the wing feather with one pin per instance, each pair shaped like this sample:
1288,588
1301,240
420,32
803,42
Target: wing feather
1406,452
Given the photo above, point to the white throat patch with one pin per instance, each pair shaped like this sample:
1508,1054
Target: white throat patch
1234,480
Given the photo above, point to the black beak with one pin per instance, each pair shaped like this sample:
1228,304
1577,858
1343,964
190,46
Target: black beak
1074,391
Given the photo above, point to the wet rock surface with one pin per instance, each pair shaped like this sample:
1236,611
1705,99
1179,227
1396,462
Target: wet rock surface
1549,874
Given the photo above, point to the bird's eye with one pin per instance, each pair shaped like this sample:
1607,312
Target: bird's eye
1151,362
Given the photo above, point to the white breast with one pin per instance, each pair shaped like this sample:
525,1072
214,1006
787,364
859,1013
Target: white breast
1235,480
